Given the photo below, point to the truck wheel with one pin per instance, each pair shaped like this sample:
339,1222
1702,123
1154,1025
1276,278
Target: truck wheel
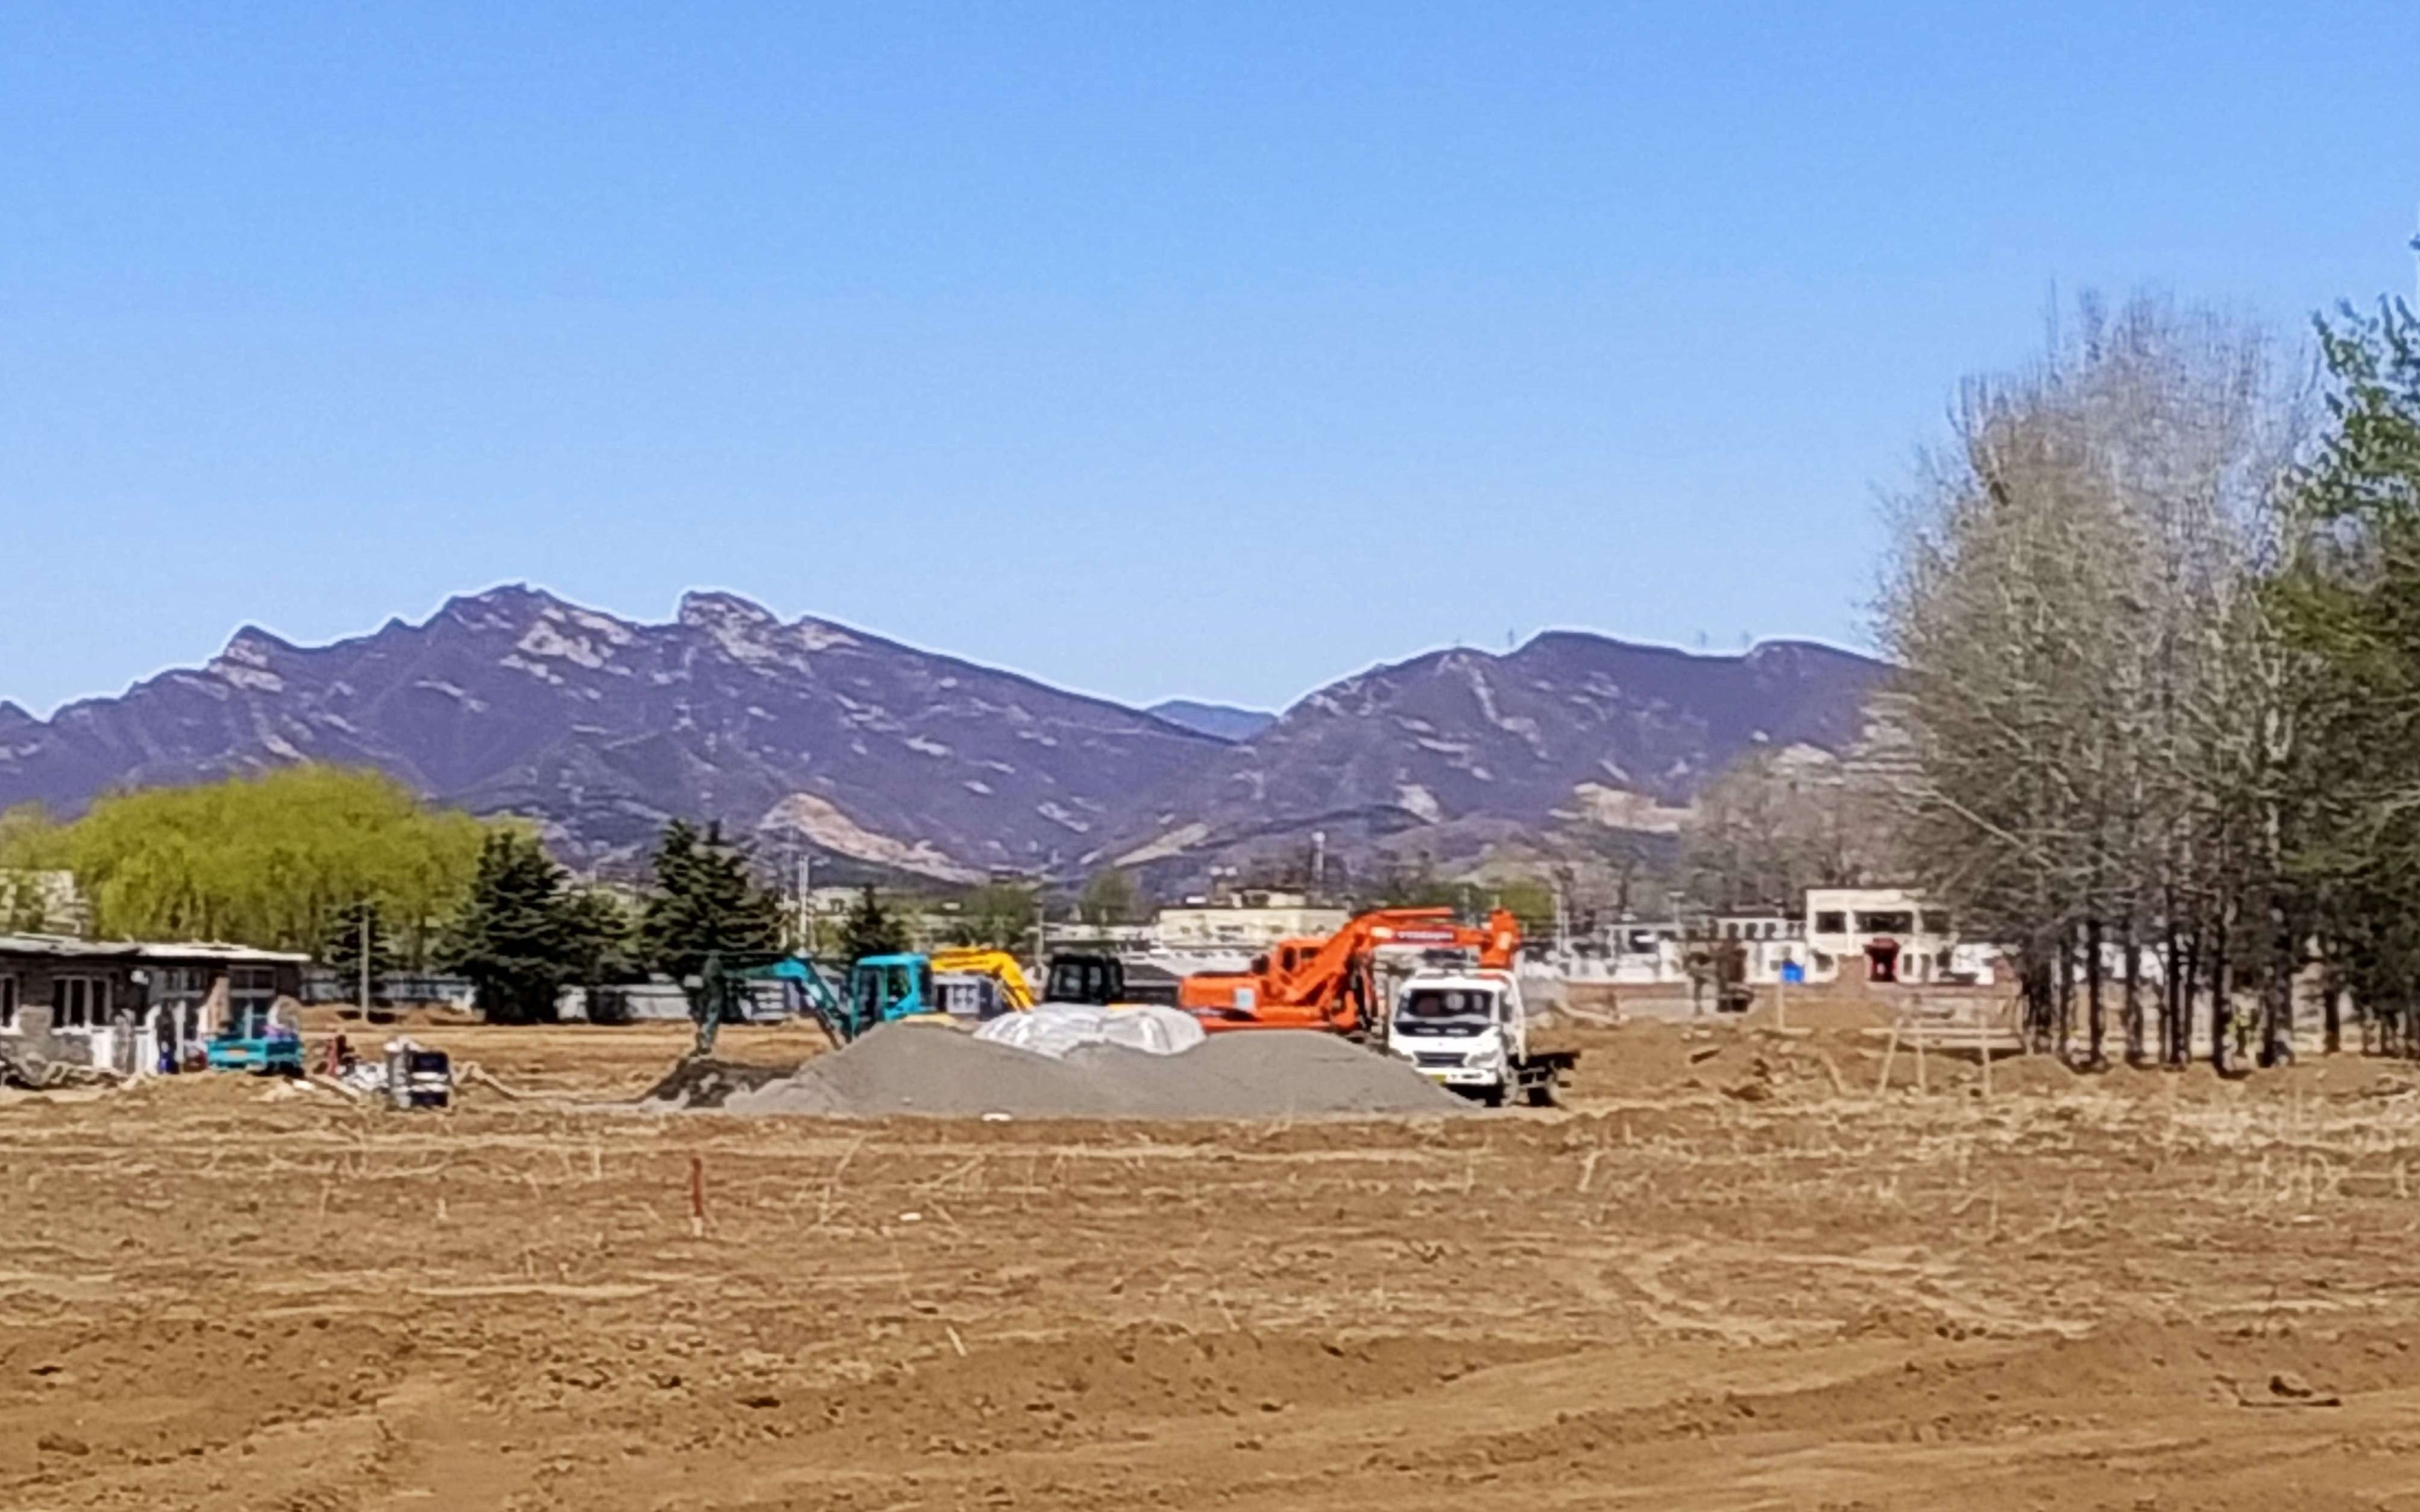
1539,1093
1492,1096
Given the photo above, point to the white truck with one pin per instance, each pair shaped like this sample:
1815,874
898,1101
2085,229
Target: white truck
1471,1031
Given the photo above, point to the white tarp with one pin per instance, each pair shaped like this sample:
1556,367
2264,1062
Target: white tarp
1054,1028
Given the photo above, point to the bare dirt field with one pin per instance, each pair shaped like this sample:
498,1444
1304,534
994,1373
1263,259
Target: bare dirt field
1729,1276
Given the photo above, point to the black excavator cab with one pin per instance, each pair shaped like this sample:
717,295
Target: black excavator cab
1073,978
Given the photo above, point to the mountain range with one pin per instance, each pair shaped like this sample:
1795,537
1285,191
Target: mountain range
1223,720
881,760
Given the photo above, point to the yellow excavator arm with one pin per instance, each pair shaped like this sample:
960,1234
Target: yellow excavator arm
998,964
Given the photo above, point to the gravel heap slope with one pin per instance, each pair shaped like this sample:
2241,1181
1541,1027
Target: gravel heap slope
925,1070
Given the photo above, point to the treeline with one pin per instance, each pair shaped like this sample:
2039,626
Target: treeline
526,931
2156,614
349,866
273,861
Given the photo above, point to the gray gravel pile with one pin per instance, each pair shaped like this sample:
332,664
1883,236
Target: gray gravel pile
1265,1073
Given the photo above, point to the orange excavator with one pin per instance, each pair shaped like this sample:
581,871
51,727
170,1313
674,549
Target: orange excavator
1328,984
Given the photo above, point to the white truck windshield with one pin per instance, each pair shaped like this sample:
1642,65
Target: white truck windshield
1427,1004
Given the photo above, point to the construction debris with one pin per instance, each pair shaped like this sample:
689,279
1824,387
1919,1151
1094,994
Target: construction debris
26,1068
408,1074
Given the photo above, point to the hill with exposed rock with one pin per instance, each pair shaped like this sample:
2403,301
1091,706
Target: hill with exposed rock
811,735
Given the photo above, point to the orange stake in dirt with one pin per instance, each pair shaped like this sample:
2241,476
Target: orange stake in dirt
697,1197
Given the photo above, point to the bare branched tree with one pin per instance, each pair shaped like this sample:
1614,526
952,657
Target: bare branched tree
1772,825
2093,709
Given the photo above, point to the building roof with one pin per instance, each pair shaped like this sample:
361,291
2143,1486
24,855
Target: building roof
69,948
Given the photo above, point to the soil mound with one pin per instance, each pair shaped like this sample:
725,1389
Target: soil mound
915,1068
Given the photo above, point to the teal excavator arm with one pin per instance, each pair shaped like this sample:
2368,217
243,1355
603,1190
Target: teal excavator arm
805,991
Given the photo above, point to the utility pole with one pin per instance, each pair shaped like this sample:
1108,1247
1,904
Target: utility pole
806,936
1562,931
366,961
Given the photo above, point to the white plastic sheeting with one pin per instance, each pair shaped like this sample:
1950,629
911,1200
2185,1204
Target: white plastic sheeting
1055,1028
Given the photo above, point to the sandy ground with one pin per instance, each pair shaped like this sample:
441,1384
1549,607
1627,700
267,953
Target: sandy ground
1730,1276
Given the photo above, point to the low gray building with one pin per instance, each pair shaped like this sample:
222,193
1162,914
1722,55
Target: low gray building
131,1004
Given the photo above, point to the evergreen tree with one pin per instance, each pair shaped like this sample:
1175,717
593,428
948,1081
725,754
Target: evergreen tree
601,938
705,907
2352,600
513,939
871,929
342,950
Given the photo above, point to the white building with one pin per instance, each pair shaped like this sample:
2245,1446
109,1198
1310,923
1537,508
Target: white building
1768,945
1251,922
1887,935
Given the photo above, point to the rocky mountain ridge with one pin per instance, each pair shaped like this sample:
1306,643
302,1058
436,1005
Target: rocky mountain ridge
1459,750
818,738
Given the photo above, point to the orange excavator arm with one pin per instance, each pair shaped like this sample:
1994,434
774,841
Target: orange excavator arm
1326,983
1319,975
1502,946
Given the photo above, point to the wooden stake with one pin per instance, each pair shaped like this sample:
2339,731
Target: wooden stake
697,1197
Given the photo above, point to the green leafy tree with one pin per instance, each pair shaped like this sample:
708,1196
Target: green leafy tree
267,861
513,939
1415,886
1109,899
704,908
29,847
1532,902
25,907
998,916
28,837
871,929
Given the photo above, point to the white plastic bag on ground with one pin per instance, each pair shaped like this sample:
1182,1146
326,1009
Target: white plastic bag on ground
1054,1028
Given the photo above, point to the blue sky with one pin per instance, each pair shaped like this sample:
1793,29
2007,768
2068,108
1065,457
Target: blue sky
1213,350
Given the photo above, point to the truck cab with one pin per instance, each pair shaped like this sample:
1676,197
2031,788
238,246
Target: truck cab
1471,1031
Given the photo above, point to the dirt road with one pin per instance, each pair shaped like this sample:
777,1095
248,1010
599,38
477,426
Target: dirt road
1718,1283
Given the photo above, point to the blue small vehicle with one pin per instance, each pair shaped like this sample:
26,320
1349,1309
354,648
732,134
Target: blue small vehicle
253,1040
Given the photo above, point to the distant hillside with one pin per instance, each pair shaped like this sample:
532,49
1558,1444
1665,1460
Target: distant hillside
805,732
1223,720
1464,750
812,735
